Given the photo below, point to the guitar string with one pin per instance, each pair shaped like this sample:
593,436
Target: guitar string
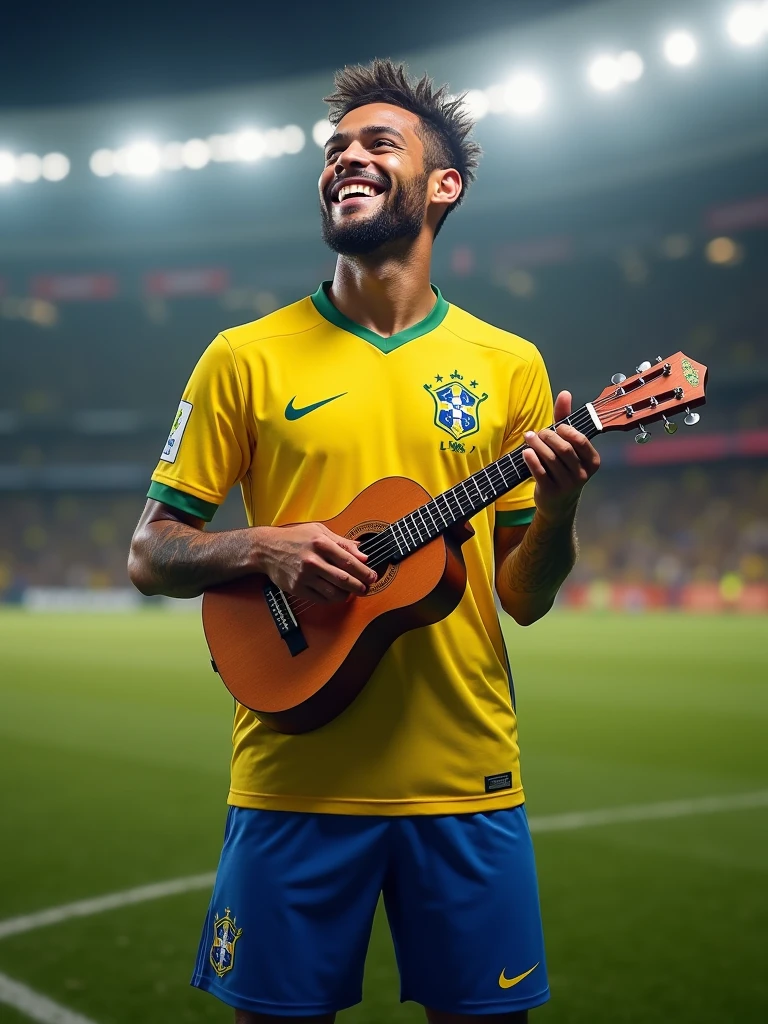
384,547
584,418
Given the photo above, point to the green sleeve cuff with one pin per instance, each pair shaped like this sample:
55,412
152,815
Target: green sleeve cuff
520,517
183,501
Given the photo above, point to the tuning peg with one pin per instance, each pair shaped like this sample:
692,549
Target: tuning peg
618,378
658,359
669,426
691,418
643,367
642,436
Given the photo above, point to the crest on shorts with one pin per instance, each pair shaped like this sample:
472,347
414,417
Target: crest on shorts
225,935
457,407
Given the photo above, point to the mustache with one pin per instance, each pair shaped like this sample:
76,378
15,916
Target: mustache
375,179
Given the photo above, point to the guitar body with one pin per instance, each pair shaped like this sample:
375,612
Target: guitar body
300,690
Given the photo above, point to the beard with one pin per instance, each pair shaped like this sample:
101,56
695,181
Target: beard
398,219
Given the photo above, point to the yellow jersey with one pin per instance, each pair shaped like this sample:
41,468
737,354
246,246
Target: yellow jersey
305,408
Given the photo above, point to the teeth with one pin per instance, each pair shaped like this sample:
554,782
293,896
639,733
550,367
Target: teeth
346,190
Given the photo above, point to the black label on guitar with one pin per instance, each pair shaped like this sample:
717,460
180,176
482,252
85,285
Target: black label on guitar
494,782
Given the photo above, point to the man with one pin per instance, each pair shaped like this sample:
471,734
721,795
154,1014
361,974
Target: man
415,789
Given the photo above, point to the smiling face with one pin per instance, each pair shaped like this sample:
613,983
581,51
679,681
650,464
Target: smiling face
374,187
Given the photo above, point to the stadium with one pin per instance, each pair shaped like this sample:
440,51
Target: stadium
620,215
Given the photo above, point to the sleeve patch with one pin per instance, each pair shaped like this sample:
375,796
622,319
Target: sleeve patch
171,449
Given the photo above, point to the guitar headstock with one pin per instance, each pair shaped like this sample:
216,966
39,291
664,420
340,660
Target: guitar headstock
656,392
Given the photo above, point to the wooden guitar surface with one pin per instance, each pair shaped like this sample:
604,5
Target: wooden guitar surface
344,642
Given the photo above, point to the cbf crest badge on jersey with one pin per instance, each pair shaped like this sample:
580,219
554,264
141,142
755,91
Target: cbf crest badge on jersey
457,405
225,935
177,432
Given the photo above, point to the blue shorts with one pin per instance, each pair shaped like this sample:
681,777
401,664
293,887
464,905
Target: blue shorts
288,926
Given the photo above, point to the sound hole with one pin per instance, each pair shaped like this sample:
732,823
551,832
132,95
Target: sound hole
368,536
376,551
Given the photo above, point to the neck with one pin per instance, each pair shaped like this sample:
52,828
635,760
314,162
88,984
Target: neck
459,503
386,292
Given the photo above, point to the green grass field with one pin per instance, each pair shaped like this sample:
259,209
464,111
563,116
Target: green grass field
114,754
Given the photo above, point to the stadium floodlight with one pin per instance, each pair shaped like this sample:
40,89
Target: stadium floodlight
196,154
631,66
273,142
29,167
55,166
724,251
141,159
680,48
605,73
172,156
476,103
748,23
524,94
7,167
294,139
249,145
222,148
322,131
102,163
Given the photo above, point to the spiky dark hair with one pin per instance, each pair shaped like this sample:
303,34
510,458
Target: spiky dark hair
446,125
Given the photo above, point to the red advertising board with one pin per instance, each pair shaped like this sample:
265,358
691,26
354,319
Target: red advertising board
74,287
188,281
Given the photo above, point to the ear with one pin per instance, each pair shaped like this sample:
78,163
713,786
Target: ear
444,189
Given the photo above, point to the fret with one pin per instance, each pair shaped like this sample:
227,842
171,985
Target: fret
404,522
490,482
437,528
458,503
446,522
397,524
464,485
427,529
452,494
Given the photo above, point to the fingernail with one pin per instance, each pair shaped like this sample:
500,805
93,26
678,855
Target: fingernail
528,435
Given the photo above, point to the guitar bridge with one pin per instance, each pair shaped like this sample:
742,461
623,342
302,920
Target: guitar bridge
283,617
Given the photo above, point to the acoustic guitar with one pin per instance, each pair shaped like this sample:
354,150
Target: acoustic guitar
297,665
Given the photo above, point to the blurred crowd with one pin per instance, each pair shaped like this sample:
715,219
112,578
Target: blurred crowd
669,527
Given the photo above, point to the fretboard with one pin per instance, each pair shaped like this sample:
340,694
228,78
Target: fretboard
467,498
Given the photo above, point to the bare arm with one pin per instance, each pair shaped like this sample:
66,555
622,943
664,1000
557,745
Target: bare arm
172,555
530,572
532,566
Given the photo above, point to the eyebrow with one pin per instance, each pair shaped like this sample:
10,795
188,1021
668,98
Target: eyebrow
370,129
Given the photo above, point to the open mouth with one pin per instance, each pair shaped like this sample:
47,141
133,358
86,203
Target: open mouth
353,191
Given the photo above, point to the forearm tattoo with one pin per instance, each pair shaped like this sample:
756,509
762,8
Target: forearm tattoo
542,560
184,561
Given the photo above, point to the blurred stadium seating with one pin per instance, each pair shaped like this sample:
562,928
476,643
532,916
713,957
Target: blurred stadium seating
609,227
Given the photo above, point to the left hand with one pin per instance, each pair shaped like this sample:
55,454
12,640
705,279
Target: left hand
561,461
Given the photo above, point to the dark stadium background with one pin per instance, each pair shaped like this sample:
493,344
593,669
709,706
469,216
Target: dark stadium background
608,227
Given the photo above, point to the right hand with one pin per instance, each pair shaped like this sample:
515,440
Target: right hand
311,562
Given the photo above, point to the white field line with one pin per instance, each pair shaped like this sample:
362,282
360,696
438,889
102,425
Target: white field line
35,1006
547,823
649,812
99,904
44,1010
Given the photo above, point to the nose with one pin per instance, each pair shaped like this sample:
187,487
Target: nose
352,157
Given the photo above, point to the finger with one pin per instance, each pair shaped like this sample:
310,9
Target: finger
586,451
554,467
352,546
562,448
342,580
339,555
326,592
531,459
563,405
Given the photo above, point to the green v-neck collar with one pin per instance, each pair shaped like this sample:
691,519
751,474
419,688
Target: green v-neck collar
433,319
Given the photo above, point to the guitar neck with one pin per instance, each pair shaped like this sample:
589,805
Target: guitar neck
476,492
